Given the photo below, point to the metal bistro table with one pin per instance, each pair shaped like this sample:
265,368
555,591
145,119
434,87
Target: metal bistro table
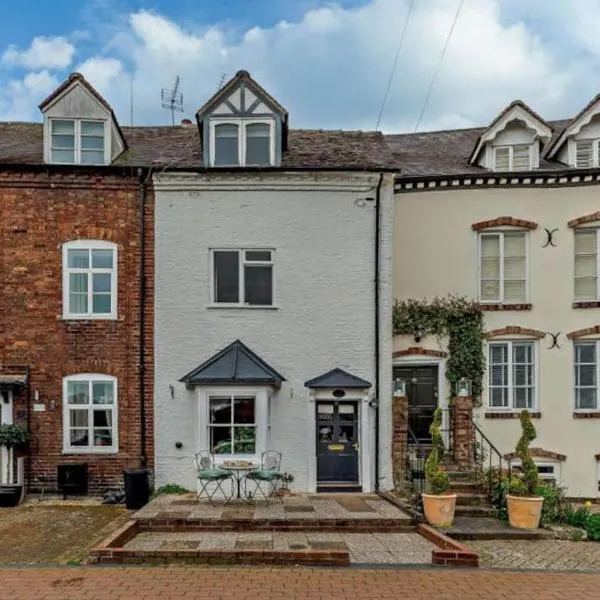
238,472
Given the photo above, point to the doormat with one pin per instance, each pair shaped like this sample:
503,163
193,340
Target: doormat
318,545
299,508
254,545
353,504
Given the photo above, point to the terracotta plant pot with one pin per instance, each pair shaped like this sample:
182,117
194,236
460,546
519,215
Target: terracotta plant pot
439,510
523,512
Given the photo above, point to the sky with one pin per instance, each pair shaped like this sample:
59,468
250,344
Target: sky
328,63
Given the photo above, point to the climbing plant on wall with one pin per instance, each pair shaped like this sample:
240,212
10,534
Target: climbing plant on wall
461,321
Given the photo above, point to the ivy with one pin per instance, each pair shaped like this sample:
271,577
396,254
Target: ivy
461,321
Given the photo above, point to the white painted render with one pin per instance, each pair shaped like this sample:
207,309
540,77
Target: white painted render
322,231
436,253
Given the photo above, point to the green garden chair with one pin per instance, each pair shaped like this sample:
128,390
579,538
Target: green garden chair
265,481
212,478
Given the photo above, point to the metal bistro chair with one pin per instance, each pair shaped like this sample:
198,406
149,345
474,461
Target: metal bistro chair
266,478
212,478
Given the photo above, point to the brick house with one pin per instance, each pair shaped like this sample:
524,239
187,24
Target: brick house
76,236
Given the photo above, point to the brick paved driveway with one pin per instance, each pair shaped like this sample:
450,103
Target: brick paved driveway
175,583
541,554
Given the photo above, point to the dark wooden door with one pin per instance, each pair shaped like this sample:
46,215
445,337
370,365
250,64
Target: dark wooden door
337,442
422,393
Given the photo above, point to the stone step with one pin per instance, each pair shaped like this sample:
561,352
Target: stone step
474,511
464,487
487,528
471,499
459,475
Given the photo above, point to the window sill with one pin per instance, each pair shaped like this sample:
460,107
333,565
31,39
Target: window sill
500,306
510,415
82,451
593,304
88,318
244,306
592,414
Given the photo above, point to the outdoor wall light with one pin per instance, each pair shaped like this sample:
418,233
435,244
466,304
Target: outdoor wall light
178,445
418,334
463,388
399,388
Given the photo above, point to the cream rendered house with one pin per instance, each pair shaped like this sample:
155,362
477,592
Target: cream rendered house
510,216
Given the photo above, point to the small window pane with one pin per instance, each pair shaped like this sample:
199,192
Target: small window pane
101,304
78,418
92,128
226,145
585,242
78,293
523,398
583,153
502,159
521,157
243,410
60,126
103,418
258,144
227,270
244,440
89,157
78,259
585,266
585,375
102,259
220,440
103,437
63,142
258,281
79,437
101,282
93,143
103,392
63,156
499,397
220,410
490,246
498,353
586,353
78,392
586,399
258,255
586,289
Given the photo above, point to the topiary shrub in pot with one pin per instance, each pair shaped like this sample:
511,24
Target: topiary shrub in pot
11,437
524,505
438,504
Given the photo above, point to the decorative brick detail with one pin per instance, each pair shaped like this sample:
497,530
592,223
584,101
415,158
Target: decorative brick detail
579,333
449,552
497,307
504,222
463,433
416,351
586,304
516,330
585,219
399,438
510,415
538,453
586,415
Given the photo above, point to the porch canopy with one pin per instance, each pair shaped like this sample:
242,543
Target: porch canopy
234,365
337,378
13,377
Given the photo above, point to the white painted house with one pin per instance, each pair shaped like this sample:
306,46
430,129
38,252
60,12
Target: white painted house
273,297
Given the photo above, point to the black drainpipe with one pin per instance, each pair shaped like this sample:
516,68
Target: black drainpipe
142,320
377,357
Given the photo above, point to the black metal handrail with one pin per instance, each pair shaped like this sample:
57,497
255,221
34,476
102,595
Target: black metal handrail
486,454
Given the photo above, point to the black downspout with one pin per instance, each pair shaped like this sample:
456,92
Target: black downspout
142,320
377,357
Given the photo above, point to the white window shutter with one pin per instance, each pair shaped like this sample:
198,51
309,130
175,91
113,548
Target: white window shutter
584,153
502,158
521,159
586,266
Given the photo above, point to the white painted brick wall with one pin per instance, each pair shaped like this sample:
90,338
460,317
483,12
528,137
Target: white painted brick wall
324,286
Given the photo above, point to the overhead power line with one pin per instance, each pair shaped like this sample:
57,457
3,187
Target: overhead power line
437,69
394,65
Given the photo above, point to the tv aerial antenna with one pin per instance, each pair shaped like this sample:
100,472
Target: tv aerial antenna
172,99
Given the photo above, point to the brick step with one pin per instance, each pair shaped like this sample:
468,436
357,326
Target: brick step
464,487
459,475
474,511
471,499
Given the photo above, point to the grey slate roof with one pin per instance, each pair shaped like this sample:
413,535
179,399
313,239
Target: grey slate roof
235,364
337,378
448,152
22,143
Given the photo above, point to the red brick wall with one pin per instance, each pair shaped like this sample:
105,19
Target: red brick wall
38,212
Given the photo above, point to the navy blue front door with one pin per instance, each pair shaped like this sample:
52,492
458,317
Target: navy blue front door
337,442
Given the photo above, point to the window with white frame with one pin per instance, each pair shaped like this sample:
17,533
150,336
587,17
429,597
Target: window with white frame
587,153
242,142
512,158
242,277
89,279
586,375
232,424
77,141
90,413
587,265
503,266
511,375
548,471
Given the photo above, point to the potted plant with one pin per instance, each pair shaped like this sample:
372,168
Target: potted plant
524,505
438,504
11,437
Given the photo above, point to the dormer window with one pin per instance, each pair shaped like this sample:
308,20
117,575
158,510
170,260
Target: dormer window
586,153
242,142
75,141
512,158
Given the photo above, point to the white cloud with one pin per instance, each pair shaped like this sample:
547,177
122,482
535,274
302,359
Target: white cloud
20,97
330,68
43,53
